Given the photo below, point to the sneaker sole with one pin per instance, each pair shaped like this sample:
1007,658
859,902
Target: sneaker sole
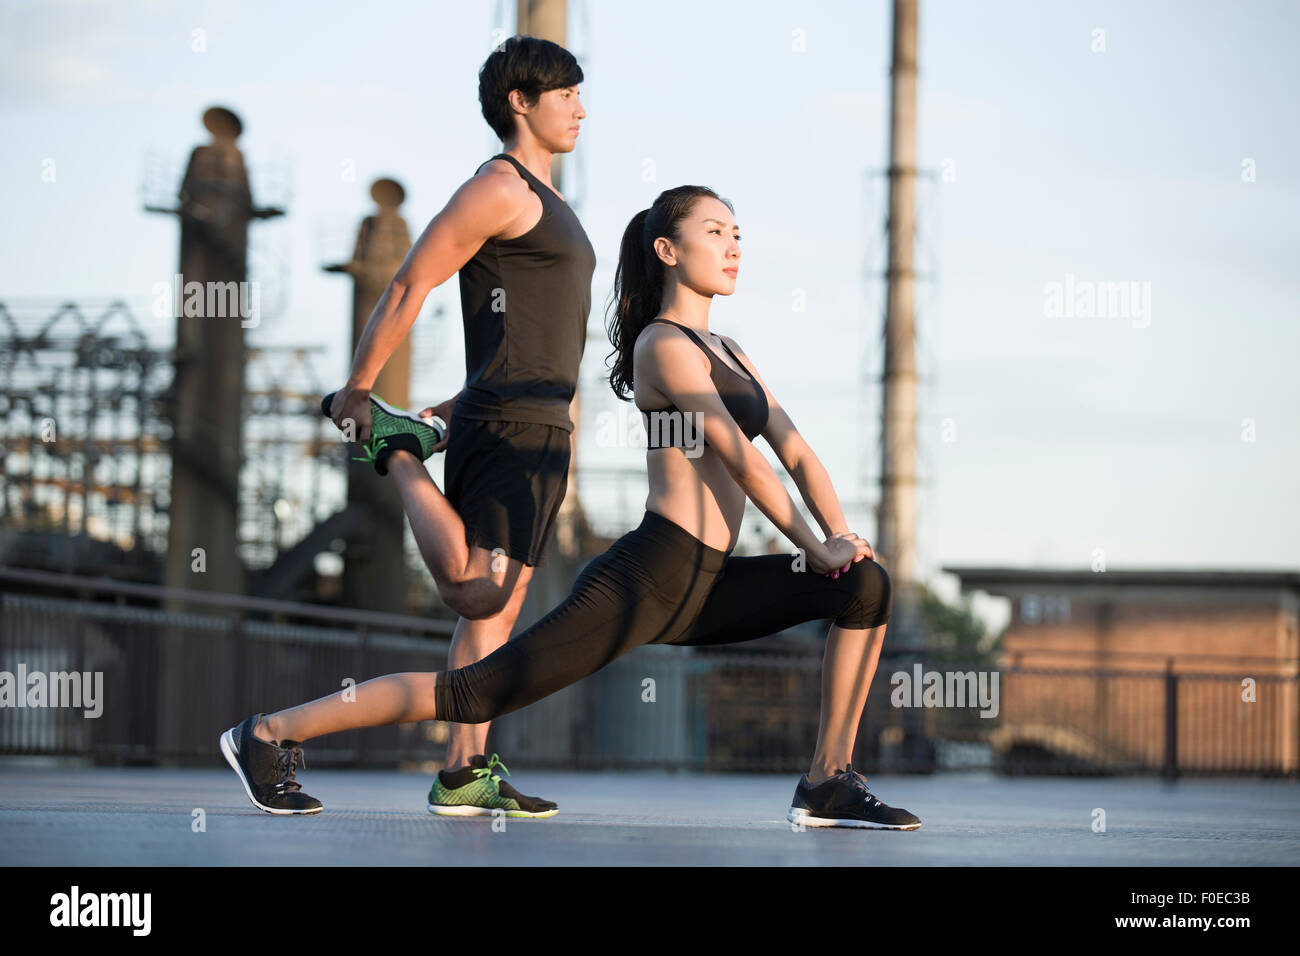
228,750
797,815
466,810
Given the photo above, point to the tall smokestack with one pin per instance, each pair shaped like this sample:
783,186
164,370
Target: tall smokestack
896,517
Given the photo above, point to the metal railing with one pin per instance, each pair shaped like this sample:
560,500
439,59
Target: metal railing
173,679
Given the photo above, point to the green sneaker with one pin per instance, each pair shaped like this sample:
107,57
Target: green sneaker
393,428
477,790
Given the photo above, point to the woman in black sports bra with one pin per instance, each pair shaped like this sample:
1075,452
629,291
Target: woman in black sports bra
673,579
741,395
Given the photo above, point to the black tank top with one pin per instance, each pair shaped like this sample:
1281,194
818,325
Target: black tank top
741,394
525,303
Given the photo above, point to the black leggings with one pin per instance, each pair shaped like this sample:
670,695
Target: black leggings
658,584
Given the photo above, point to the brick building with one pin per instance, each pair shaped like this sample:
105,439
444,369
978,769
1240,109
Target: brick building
1180,670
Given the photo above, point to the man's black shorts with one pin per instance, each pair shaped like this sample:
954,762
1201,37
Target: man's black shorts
507,481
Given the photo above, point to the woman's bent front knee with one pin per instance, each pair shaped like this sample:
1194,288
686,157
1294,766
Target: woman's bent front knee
870,597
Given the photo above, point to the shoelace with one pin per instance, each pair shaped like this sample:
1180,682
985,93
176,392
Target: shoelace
482,772
372,448
287,761
859,782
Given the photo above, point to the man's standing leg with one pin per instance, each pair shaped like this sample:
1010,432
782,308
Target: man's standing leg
471,784
504,483
472,641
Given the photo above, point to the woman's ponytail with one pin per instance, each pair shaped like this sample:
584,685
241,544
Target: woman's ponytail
639,278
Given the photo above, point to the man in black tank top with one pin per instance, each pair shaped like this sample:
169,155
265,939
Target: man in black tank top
525,267
525,302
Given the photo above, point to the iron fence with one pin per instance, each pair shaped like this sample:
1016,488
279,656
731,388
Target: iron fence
171,680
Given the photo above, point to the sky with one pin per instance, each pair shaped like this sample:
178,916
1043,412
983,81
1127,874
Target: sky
1065,145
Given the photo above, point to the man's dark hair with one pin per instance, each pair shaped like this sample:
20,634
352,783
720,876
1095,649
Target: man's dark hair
528,64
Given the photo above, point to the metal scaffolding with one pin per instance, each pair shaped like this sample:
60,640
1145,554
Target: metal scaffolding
86,456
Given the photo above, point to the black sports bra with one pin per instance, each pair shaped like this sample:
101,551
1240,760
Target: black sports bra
742,395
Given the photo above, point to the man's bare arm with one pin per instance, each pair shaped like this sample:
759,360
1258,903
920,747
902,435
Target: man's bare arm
480,209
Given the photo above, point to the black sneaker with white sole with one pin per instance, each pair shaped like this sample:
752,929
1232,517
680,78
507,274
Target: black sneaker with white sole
845,801
267,770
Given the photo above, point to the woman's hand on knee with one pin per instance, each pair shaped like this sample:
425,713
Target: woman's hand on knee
839,543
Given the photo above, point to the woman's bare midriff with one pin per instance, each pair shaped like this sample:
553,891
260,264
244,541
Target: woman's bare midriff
697,493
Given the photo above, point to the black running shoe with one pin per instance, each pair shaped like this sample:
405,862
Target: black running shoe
267,770
845,801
